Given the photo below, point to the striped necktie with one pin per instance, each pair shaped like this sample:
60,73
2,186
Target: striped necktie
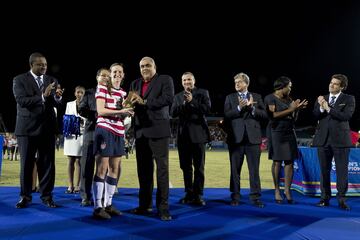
332,101
40,83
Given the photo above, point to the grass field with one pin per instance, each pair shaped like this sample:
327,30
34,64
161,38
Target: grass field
216,176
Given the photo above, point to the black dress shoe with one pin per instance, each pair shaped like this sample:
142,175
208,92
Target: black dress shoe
199,201
165,215
185,200
141,211
258,203
23,202
323,203
50,203
344,206
234,202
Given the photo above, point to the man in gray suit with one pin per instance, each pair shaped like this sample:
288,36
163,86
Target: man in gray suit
36,96
152,133
243,111
332,137
190,106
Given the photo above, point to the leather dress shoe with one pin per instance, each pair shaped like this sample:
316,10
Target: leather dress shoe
141,211
343,205
23,202
185,200
50,203
165,215
323,203
258,203
234,202
198,201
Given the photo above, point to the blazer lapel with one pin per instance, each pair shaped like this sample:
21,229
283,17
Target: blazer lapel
339,99
33,83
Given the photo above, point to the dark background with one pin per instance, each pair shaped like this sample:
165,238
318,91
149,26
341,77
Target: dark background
306,41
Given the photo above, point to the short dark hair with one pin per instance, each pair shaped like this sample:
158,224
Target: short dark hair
35,55
343,80
281,82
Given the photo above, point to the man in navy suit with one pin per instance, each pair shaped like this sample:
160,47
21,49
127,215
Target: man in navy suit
243,111
152,133
332,137
190,106
36,96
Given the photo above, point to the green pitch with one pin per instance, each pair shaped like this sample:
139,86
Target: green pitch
216,176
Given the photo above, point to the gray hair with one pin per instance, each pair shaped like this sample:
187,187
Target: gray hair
243,77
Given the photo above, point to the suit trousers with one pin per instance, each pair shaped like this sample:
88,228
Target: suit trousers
237,153
341,158
44,147
148,150
192,155
87,164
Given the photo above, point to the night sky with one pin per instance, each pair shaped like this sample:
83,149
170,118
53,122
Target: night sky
306,41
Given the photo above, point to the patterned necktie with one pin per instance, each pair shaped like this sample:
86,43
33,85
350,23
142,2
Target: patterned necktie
332,101
242,96
40,83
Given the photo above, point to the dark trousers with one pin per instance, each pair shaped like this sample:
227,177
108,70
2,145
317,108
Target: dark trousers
192,155
148,150
87,164
341,158
44,146
237,153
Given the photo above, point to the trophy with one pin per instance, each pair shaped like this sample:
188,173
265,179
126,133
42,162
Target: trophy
130,100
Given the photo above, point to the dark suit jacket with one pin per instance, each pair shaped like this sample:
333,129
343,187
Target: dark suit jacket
87,109
34,117
191,115
152,120
335,123
236,122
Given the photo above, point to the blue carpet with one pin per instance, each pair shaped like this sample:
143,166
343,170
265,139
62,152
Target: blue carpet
218,220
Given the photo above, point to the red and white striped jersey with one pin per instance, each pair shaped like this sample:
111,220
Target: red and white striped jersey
111,123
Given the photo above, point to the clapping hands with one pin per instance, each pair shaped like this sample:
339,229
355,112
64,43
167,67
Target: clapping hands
298,104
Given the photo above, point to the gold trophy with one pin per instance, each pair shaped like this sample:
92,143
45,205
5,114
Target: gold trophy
130,100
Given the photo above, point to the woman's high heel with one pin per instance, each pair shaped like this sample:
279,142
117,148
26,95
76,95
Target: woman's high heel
278,200
289,200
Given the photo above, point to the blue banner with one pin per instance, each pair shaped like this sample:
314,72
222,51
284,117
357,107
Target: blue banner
307,173
1,150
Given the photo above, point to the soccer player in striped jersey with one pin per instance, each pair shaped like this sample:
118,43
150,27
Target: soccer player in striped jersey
109,141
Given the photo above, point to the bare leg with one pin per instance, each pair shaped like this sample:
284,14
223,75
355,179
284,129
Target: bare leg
275,170
70,171
289,173
77,175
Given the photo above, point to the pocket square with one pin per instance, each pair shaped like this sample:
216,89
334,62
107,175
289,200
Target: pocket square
342,104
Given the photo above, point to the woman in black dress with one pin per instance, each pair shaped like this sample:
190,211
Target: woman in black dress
282,144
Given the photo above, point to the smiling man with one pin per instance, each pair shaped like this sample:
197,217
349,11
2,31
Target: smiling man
152,134
332,137
191,105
